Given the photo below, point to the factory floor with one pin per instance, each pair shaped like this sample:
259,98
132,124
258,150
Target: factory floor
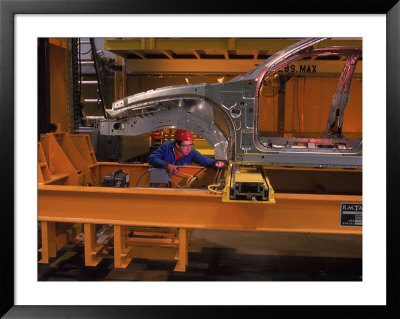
228,256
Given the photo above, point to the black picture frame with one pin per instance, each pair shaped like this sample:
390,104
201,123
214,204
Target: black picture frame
8,126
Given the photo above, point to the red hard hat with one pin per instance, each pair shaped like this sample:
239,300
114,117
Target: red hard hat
183,135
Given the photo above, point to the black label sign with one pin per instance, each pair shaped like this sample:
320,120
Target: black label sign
351,214
308,69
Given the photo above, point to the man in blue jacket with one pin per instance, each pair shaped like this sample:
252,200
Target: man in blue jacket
180,152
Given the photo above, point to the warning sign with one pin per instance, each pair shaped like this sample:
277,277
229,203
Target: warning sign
351,214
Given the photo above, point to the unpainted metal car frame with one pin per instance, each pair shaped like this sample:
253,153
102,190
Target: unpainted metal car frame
227,115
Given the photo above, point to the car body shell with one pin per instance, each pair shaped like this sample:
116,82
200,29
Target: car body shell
227,115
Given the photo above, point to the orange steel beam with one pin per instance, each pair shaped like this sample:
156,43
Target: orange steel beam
189,208
48,250
91,247
167,242
183,251
123,254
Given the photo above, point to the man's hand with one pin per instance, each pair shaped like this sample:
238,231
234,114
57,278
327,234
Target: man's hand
219,164
172,169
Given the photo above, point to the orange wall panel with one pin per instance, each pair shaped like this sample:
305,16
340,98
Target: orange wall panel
318,94
59,87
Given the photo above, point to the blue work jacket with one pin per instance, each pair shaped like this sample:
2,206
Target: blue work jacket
165,154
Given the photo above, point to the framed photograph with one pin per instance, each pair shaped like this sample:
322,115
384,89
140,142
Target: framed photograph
22,23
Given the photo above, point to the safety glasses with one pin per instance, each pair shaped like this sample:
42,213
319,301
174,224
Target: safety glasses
187,145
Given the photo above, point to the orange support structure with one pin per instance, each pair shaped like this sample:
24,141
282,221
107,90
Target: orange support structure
190,208
122,254
69,191
48,249
91,247
183,250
